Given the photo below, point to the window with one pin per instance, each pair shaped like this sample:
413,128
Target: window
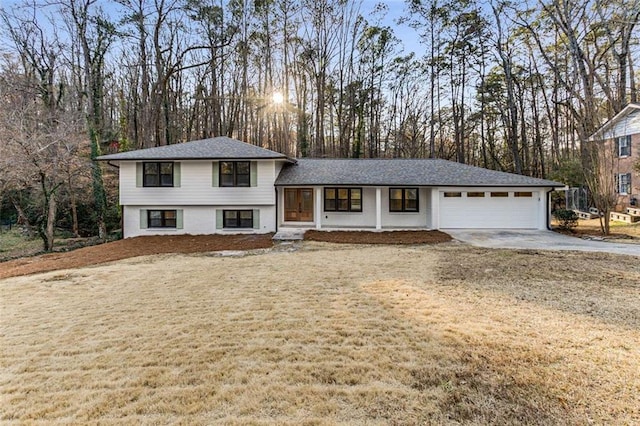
162,218
343,199
403,199
623,146
624,183
235,173
158,174
452,194
238,218
523,194
475,194
500,194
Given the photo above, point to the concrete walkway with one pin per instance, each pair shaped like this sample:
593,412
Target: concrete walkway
537,240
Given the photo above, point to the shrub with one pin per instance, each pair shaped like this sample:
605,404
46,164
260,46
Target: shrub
567,219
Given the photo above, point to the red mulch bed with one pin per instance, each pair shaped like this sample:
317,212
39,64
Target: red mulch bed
387,237
143,246
132,247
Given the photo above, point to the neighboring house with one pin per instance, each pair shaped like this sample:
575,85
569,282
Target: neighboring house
222,185
621,135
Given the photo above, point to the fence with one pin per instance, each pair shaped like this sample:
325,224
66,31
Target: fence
6,225
578,199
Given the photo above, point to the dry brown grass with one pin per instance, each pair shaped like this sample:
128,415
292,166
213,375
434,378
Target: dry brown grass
329,334
617,229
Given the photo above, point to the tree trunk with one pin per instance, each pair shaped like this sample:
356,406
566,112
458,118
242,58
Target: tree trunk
51,222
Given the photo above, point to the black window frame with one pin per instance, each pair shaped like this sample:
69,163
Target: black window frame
165,222
404,208
245,180
238,221
336,200
158,174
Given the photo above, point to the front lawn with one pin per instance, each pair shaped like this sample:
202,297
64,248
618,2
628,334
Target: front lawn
327,334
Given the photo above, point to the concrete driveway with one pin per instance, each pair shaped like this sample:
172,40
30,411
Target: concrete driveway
537,240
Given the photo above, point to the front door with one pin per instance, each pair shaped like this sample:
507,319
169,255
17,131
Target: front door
298,205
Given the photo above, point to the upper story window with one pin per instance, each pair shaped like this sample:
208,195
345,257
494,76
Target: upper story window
235,173
403,200
343,199
623,146
158,174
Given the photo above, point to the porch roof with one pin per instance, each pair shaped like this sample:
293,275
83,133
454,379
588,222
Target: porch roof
399,172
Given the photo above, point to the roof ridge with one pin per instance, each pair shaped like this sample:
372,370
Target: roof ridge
219,147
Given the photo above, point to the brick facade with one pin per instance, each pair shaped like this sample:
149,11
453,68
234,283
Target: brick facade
627,164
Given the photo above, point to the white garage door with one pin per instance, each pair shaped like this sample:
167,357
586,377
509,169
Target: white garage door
490,209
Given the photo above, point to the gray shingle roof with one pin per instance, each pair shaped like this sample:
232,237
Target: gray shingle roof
399,172
220,147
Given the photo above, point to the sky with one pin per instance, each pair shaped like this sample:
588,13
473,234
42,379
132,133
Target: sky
395,9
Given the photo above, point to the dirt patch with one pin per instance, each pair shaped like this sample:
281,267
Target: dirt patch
132,247
368,237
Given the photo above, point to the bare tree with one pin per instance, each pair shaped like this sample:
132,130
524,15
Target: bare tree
601,180
40,155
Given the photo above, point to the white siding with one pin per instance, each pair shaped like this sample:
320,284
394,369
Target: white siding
364,219
420,219
367,218
196,187
197,220
492,212
628,125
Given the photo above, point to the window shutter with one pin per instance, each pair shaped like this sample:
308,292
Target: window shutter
219,221
139,176
179,219
177,174
617,182
256,219
254,173
143,219
629,144
215,174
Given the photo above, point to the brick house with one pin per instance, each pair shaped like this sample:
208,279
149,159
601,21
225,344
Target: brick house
621,134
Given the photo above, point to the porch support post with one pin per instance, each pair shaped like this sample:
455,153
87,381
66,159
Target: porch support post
318,214
378,208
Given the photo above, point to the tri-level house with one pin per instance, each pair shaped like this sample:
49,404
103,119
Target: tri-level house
222,185
621,136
